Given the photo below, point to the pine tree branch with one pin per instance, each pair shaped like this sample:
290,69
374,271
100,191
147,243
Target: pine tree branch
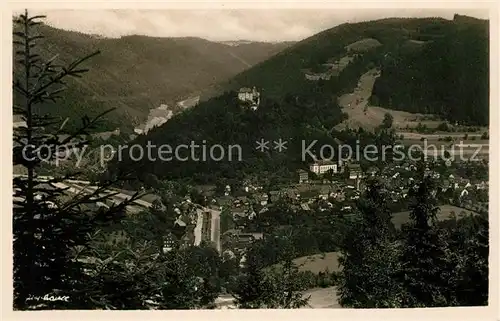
71,70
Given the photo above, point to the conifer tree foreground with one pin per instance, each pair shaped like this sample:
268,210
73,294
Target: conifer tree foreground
280,286
49,225
426,264
369,258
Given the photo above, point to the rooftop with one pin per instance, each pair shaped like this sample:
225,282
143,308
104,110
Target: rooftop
324,162
338,141
354,166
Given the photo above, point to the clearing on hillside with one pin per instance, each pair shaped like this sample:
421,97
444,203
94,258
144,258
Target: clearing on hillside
445,212
363,45
322,298
319,262
361,114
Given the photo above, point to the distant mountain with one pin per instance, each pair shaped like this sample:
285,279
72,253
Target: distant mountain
299,94
138,73
423,60
236,42
248,42
283,74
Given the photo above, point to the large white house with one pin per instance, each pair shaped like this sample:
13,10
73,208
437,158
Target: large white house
251,96
321,167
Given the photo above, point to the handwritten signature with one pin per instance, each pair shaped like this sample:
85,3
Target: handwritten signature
48,297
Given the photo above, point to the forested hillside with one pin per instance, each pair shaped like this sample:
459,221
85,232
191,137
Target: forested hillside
296,109
448,75
137,73
146,235
282,73
224,122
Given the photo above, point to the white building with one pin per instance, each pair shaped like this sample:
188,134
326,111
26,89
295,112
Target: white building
316,77
251,96
322,167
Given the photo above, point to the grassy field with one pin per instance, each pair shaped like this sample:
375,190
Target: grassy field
479,149
456,136
322,298
329,261
318,262
363,45
361,114
445,212
464,144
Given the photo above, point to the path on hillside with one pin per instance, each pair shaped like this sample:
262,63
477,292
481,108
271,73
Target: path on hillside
240,59
362,114
355,104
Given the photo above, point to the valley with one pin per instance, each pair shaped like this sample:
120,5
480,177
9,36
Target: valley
134,74
360,176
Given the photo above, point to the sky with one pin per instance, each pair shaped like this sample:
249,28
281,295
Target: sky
224,25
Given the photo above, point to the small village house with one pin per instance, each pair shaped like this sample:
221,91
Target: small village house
316,77
169,242
263,199
250,96
303,176
354,171
372,171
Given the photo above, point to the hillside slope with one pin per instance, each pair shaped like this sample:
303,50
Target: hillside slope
450,51
449,76
292,107
282,73
137,73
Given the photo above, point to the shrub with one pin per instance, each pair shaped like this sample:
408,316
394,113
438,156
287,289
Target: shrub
443,127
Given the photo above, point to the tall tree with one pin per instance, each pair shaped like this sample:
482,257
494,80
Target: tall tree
190,278
425,265
474,286
285,286
467,257
369,258
280,286
251,284
47,227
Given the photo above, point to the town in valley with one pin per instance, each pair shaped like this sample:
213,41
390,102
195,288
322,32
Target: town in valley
101,223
